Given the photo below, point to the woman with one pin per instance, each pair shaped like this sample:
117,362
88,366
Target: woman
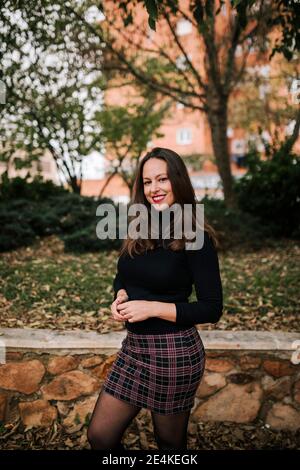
162,358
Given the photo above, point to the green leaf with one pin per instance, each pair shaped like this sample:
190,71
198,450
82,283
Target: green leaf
128,20
152,23
198,12
152,9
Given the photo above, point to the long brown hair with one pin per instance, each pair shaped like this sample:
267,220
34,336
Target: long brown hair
183,194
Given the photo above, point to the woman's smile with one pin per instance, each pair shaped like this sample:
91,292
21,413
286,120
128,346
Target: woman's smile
158,198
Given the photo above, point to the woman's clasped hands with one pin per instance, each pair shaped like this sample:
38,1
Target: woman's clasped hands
131,311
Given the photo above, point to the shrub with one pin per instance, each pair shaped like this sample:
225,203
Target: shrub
36,190
31,209
234,227
270,190
85,240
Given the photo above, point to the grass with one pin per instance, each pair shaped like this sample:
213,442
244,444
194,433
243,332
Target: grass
43,287
261,287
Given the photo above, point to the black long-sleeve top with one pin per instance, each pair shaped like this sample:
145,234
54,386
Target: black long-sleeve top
168,276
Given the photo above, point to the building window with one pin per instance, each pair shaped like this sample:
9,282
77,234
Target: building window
251,45
238,152
229,132
184,136
238,146
224,10
238,50
183,27
2,92
264,71
181,61
295,91
263,90
289,129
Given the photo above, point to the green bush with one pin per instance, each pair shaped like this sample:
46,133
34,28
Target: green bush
15,235
32,209
234,226
85,240
270,191
75,211
37,190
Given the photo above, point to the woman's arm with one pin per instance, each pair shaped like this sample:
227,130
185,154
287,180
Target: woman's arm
204,267
118,285
164,310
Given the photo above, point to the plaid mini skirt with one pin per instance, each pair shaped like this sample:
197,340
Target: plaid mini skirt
160,372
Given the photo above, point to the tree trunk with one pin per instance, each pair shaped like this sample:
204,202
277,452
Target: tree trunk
217,118
73,182
289,143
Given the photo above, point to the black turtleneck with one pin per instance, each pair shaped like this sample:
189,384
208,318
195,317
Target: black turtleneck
168,276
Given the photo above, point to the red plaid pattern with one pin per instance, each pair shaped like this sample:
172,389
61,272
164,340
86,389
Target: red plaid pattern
160,372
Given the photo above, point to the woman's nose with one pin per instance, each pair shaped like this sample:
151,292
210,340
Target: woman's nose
154,187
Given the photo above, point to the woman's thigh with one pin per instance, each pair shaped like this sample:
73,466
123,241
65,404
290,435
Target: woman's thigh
109,420
171,430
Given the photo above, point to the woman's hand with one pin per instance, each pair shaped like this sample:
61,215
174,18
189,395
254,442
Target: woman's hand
136,310
122,296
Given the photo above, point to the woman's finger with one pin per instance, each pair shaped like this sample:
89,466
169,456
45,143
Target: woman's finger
122,298
121,307
116,315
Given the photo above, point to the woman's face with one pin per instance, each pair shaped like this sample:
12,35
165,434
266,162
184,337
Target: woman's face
157,186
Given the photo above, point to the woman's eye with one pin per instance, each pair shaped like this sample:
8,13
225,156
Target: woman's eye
160,179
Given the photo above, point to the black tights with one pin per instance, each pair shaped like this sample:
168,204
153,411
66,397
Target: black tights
111,417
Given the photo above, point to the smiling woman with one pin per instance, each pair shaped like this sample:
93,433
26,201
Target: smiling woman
162,359
157,185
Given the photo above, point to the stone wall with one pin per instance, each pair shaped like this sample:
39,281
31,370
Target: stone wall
51,375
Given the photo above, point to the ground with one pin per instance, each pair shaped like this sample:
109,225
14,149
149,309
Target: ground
139,436
43,287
